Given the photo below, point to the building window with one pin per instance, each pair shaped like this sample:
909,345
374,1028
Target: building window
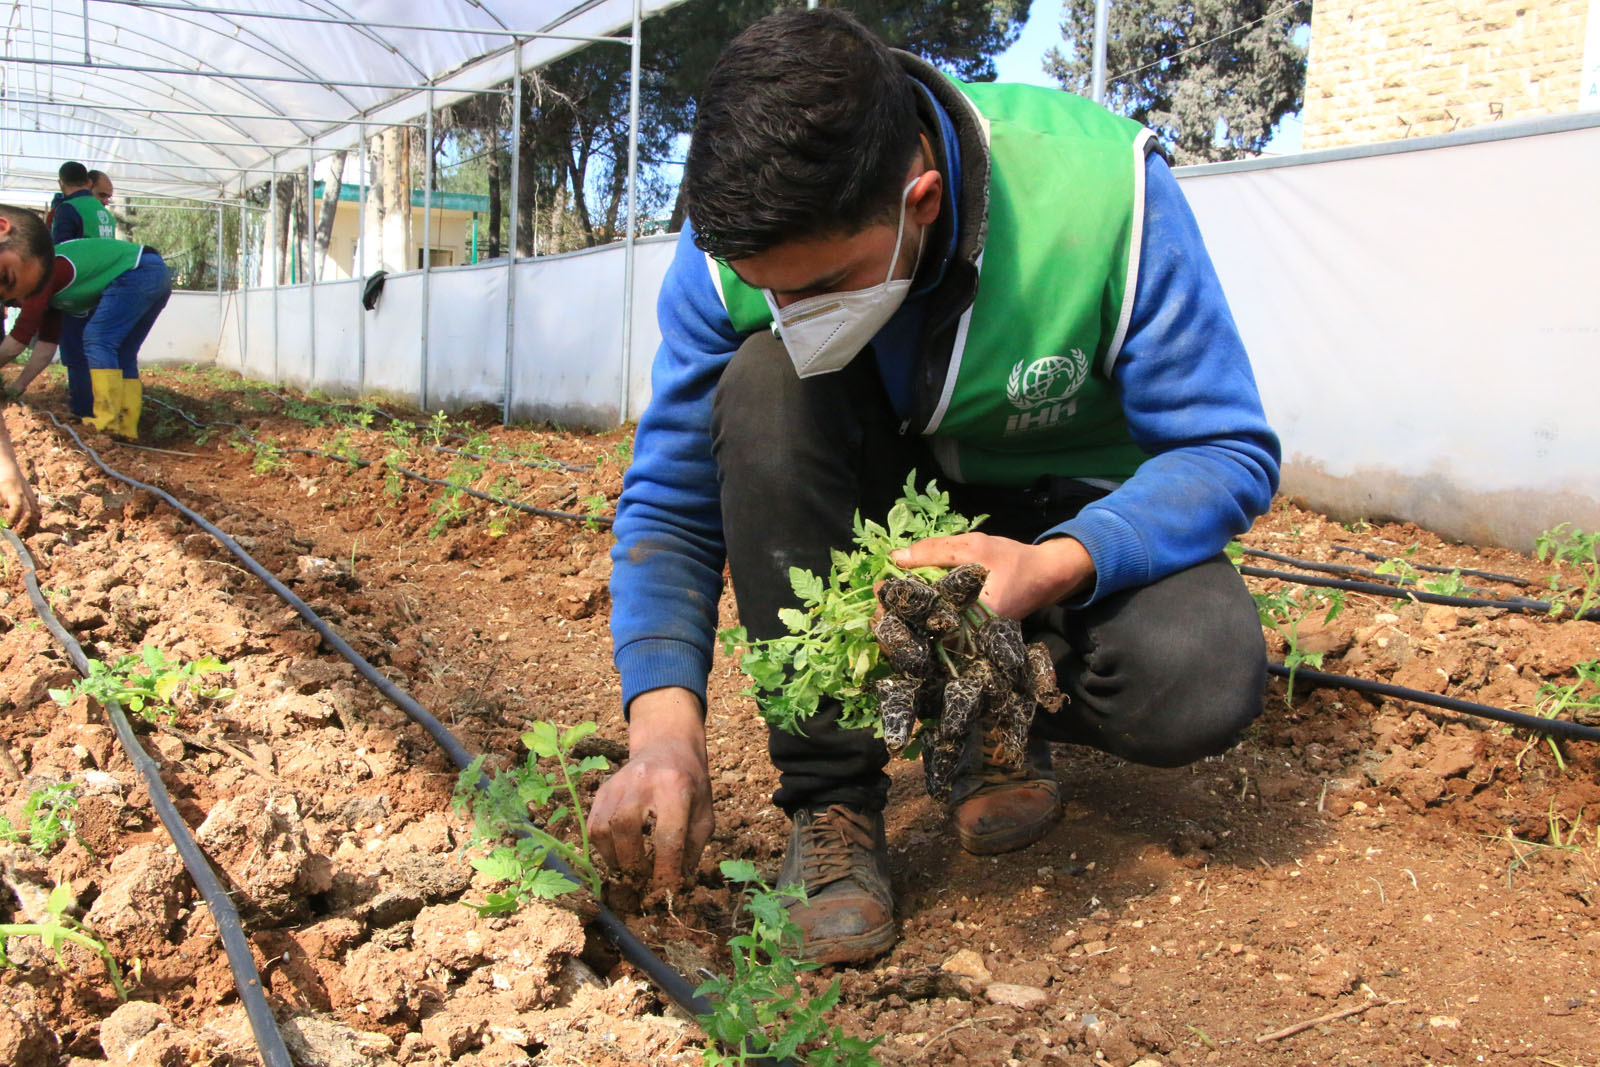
438,257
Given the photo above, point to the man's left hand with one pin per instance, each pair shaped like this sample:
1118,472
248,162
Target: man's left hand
1023,578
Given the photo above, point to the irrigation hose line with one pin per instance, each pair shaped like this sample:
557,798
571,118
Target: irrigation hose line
1399,581
245,976
548,513
1519,604
1434,568
669,981
1562,728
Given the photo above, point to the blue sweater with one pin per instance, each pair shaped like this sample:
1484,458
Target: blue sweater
1187,389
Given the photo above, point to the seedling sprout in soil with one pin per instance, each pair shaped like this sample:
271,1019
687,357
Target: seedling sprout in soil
1568,544
502,811
46,821
761,1011
1555,698
56,931
148,684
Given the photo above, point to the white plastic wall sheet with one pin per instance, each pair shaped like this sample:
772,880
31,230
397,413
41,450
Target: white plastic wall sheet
258,358
186,331
568,361
394,340
466,337
1425,329
338,337
295,336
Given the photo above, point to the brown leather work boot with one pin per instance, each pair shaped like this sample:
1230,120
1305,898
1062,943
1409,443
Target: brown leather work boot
1002,809
841,858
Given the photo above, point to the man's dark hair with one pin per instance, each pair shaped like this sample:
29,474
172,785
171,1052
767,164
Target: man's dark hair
94,176
73,173
805,129
31,237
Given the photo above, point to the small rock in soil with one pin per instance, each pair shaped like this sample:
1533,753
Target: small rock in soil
27,1038
146,891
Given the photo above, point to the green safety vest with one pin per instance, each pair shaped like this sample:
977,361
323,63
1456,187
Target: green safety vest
1028,391
97,221
96,263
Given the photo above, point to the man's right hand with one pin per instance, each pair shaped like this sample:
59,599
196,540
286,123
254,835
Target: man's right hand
17,502
654,815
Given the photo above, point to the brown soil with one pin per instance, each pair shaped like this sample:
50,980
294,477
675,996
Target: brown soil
1380,866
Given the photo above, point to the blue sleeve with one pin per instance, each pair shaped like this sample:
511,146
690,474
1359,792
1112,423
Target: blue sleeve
67,224
666,573
1191,402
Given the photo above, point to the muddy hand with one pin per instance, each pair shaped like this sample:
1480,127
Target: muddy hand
20,506
654,816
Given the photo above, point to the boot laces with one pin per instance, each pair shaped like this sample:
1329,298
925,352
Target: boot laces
832,844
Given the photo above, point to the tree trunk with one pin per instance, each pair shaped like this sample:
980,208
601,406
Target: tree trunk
495,207
285,206
330,206
394,200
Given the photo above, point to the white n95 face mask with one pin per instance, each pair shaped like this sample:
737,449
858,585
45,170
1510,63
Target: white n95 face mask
824,333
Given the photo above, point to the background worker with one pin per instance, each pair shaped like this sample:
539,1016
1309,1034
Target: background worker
121,287
26,261
100,185
1090,394
77,212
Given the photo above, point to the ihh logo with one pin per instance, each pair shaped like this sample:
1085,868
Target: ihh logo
1042,390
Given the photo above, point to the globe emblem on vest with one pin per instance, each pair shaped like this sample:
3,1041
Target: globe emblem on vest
1047,379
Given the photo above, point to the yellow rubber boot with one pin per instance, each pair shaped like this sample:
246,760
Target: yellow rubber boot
107,386
127,424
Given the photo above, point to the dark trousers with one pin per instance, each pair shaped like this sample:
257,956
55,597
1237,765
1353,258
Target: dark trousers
1161,675
80,394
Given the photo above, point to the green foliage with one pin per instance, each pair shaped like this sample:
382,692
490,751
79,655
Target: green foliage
147,684
594,507
830,650
1211,77
451,506
502,810
399,435
1568,544
46,818
394,483
57,931
186,237
438,428
341,446
268,456
1280,611
1555,700
761,1010
1449,585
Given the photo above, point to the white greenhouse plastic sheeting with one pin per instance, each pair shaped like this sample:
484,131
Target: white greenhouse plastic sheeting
211,75
1425,328
567,321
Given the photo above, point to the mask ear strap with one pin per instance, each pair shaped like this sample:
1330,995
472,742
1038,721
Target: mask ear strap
900,233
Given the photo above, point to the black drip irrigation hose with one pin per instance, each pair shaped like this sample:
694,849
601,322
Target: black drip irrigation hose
669,981
1434,568
1399,581
1562,728
1524,605
234,944
557,464
548,513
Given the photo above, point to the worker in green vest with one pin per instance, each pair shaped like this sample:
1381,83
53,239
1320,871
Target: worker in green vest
78,212
26,259
884,270
121,288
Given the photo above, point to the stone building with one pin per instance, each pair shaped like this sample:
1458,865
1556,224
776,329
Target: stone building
1382,70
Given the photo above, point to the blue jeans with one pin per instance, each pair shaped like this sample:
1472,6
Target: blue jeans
122,319
79,392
